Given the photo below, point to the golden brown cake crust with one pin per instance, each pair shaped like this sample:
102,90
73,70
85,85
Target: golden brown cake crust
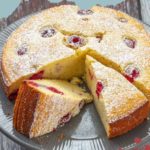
24,108
126,124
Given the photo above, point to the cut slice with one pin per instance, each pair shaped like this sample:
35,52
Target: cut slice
129,54
120,105
43,105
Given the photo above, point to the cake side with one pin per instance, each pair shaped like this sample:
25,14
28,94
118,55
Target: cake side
116,99
24,108
38,109
128,123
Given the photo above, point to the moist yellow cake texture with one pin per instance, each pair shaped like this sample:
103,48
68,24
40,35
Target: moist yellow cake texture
53,44
43,105
120,105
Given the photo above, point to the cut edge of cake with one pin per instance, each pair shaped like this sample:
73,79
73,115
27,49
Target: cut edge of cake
138,82
41,106
115,127
60,69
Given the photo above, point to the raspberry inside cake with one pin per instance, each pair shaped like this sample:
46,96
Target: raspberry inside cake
43,105
120,105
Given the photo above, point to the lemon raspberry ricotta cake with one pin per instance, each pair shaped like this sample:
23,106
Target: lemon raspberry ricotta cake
53,44
43,105
120,105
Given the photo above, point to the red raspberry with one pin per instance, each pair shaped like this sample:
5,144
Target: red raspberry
75,41
64,119
55,90
130,42
38,75
99,88
131,73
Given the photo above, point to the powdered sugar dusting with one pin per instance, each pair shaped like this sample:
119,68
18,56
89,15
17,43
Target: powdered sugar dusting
43,51
120,97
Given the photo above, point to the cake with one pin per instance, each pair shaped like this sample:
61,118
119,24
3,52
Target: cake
52,42
43,105
121,105
52,46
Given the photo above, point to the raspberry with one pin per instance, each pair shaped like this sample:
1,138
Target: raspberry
64,119
130,42
38,75
48,33
99,88
85,12
75,41
22,51
55,90
131,73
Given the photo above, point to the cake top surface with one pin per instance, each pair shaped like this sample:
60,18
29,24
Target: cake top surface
119,96
47,37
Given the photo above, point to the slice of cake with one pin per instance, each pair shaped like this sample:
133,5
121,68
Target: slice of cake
43,105
120,105
128,53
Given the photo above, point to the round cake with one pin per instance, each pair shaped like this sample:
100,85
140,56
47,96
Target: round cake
53,44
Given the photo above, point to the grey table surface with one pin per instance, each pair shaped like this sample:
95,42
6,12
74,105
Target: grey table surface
8,144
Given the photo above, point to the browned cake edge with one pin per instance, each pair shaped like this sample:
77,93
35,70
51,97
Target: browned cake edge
126,124
24,108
